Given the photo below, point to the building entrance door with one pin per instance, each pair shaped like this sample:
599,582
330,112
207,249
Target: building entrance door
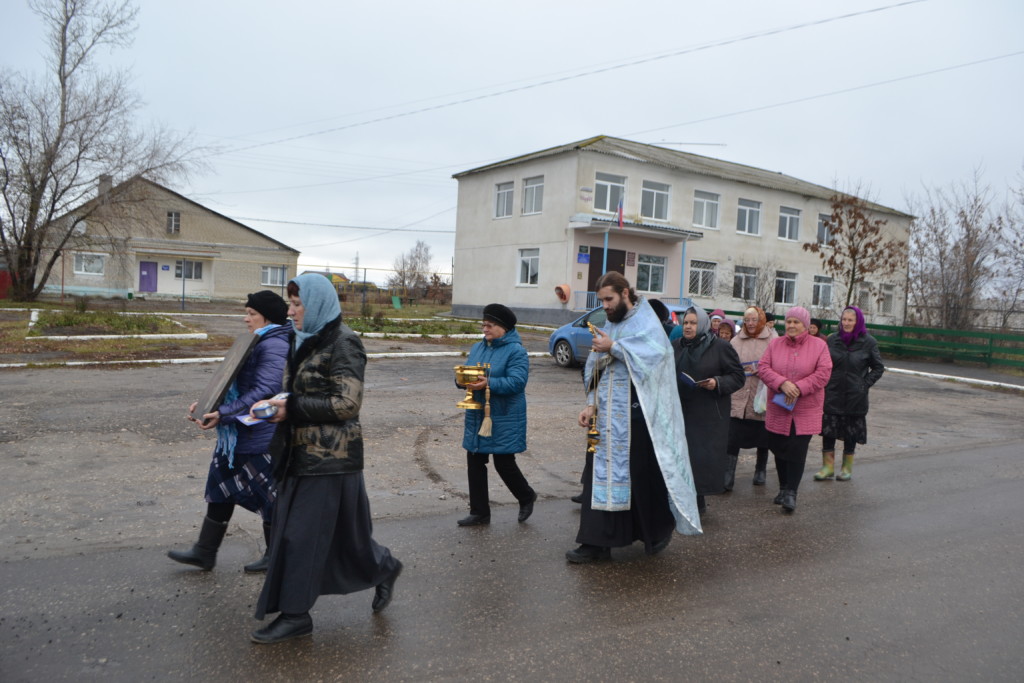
616,262
147,276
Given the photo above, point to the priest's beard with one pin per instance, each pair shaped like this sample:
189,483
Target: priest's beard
619,312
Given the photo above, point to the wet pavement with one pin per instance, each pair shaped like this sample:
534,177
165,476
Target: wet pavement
912,571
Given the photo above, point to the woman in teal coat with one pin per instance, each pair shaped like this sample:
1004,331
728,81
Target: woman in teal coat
504,389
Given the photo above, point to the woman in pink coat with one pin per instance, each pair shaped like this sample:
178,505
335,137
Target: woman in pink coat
795,367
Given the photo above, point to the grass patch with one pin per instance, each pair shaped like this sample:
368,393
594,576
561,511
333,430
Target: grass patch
101,322
379,323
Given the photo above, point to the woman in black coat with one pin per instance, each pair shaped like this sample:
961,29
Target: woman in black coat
712,363
856,366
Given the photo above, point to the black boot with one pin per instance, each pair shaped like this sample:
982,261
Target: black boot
788,500
730,471
260,565
204,553
760,466
285,627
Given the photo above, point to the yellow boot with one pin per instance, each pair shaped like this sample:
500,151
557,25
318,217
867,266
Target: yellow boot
846,474
828,466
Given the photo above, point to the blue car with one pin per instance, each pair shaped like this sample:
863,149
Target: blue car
570,343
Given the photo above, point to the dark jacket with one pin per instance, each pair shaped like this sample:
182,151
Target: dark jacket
510,369
325,380
854,371
259,378
706,413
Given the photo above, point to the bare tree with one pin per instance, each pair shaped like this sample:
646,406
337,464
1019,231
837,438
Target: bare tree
412,269
59,134
857,247
1009,298
955,249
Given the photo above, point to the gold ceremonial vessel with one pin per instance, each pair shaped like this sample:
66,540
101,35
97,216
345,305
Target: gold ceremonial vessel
470,374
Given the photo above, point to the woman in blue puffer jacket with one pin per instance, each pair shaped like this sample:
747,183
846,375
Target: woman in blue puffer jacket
241,471
506,385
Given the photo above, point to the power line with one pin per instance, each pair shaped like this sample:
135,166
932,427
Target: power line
592,72
830,93
339,225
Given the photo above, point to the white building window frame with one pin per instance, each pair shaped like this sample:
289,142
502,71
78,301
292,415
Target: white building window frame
193,269
864,296
785,287
533,195
789,224
744,283
748,217
650,273
887,299
503,196
84,263
654,197
705,209
821,294
824,235
529,267
609,189
273,276
703,275
173,222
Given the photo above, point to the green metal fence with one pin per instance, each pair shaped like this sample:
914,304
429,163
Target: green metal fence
990,348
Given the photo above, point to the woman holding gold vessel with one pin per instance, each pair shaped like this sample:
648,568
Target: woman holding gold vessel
500,428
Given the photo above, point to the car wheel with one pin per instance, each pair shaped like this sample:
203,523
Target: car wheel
563,354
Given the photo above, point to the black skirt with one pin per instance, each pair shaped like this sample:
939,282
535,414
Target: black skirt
649,518
746,434
847,428
321,544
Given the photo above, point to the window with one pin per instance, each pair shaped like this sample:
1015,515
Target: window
887,302
864,296
193,270
503,200
608,192
650,273
824,228
702,278
822,294
533,195
654,200
705,209
529,266
273,276
789,223
785,287
748,219
89,264
744,282
173,222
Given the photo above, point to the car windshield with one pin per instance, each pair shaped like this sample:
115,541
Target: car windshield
596,318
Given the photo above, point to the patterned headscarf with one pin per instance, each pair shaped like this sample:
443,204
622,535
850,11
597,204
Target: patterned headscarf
320,301
762,320
859,330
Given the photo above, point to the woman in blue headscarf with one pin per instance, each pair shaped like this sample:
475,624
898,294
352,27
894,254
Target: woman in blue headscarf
322,537
856,366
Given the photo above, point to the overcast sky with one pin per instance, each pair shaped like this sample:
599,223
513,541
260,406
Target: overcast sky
357,114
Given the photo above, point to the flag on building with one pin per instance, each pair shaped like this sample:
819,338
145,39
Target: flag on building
620,211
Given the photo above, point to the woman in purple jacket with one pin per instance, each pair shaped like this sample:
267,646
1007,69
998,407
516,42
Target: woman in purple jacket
795,367
241,472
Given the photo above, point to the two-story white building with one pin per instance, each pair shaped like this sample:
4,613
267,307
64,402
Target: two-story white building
536,231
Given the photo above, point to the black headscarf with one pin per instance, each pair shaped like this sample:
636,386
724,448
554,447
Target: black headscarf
693,349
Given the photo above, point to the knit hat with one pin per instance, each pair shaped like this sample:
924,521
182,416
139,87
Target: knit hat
718,313
801,314
502,315
269,305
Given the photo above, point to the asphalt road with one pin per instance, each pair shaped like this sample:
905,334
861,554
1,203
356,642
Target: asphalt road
912,571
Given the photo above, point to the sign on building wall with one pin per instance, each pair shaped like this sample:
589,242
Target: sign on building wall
630,258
